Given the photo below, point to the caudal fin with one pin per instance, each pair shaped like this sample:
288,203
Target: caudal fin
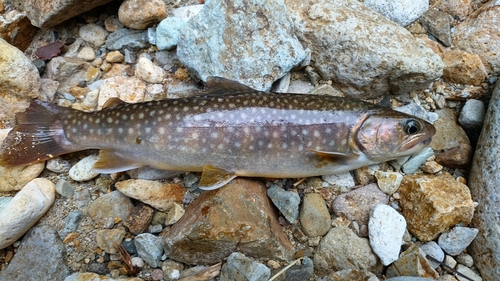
37,136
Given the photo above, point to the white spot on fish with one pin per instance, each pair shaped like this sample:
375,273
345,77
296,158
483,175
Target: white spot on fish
220,146
304,132
214,135
152,113
130,131
148,130
141,115
179,129
120,130
332,143
328,130
316,134
161,130
237,144
301,147
167,116
251,147
194,135
284,145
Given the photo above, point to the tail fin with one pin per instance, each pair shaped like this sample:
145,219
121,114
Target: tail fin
37,136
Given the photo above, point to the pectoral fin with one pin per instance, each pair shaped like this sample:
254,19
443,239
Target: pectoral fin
111,162
336,157
213,178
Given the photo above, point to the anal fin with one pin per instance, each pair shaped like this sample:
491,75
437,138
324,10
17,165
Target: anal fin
213,178
111,162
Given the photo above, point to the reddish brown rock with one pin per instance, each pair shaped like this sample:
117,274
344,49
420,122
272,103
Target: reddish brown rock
432,204
48,13
16,29
463,68
238,217
457,157
139,219
449,133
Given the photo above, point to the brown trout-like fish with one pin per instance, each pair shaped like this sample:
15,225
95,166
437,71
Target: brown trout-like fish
231,130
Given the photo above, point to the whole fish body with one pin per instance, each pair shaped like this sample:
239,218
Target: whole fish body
231,130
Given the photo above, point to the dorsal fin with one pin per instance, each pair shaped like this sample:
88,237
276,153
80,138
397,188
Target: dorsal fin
112,103
219,86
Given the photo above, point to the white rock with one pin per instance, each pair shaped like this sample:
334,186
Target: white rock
128,89
86,54
138,262
187,12
148,71
403,12
94,34
386,228
467,272
82,171
158,195
344,181
388,182
174,214
25,209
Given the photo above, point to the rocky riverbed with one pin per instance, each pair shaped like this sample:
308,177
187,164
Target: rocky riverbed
412,219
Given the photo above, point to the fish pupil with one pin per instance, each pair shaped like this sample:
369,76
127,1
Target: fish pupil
412,127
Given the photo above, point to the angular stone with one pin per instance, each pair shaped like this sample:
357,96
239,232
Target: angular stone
286,201
128,89
458,157
479,34
351,274
11,23
214,226
214,43
127,39
432,249
41,255
357,204
402,12
428,207
437,23
386,229
149,248
457,239
160,196
314,216
458,8
69,72
412,263
484,182
448,133
463,68
48,13
25,209
352,253
113,205
82,170
109,239
139,219
90,276
168,32
340,36
241,268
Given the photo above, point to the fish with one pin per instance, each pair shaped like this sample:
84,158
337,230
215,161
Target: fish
228,131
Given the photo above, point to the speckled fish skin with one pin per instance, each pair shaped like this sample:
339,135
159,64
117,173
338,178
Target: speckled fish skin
248,133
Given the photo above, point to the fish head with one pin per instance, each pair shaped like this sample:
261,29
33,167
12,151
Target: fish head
390,135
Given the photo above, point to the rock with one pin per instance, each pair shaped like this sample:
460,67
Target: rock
412,263
432,167
94,34
428,207
187,12
463,68
457,239
469,273
14,178
71,223
112,205
4,201
449,261
386,229
69,72
415,161
64,188
127,39
411,278
139,219
300,272
160,196
128,89
168,32
437,23
11,23
41,253
388,182
448,133
485,187
457,8
19,81
213,44
353,253
366,175
287,202
340,36
89,276
172,270
25,209
241,268
401,12
314,217
343,181
141,14
214,226
148,71
472,114
465,259
58,165
419,111
115,56
109,239
351,274
174,214
458,157
86,54
479,35
82,171
149,248
357,204
432,249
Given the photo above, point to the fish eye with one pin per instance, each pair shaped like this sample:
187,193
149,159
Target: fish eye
412,127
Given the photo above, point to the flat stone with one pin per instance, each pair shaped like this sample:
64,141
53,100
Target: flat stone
357,204
71,223
64,188
141,14
415,161
314,216
432,249
303,271
128,89
469,273
213,45
437,23
465,259
463,68
109,239
448,132
393,62
457,239
41,253
149,248
160,196
214,226
90,276
401,12
428,207
351,274
139,219
174,214
82,171
386,229
287,202
112,205
241,268
353,253
127,39
48,13
343,181
412,263
25,209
